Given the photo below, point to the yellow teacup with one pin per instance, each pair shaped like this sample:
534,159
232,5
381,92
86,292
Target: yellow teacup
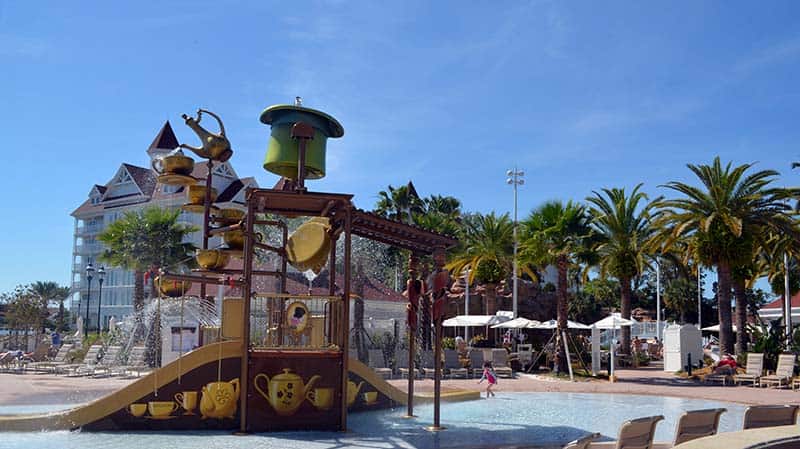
161,408
187,400
137,409
370,397
321,398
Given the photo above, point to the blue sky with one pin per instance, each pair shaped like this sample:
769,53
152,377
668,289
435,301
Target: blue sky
581,95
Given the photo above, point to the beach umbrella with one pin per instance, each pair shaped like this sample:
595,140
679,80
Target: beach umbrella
612,322
553,324
474,320
516,323
715,328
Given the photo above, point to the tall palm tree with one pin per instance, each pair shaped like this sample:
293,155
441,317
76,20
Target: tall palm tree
145,240
50,291
558,234
443,205
400,203
623,229
486,249
721,218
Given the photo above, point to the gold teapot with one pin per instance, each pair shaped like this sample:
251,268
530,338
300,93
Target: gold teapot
214,146
174,163
285,391
219,399
352,391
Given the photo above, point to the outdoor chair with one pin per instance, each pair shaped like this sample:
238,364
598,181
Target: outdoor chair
59,359
402,364
757,416
697,424
525,354
136,362
89,360
753,370
783,373
476,362
7,360
583,442
453,365
378,365
638,433
107,362
38,355
428,365
500,363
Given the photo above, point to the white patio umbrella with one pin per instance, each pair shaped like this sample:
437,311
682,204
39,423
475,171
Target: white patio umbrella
517,323
612,322
552,324
715,328
474,320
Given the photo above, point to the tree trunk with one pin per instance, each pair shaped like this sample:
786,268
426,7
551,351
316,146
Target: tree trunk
625,310
490,292
359,333
138,305
61,316
561,314
724,305
741,316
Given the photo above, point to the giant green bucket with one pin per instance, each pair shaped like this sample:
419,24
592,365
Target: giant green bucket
282,157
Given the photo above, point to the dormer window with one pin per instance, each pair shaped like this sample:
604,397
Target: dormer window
224,170
122,178
96,199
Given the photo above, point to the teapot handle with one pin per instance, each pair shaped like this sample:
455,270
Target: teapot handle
311,382
255,385
235,383
158,165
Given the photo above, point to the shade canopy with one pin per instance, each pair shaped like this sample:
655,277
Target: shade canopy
553,324
517,323
715,328
474,320
614,321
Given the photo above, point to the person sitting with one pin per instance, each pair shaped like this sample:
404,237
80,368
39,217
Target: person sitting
726,365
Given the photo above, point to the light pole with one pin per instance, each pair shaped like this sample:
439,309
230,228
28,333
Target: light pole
787,299
515,179
466,304
101,274
89,274
658,300
699,300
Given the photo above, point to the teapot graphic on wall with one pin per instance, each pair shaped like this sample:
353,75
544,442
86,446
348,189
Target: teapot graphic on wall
286,391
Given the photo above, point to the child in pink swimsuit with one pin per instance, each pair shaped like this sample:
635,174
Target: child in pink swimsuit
490,376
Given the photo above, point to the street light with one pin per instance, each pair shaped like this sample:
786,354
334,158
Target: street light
101,274
89,274
515,179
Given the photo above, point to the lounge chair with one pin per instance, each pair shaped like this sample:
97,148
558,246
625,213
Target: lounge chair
582,442
525,354
378,365
757,416
638,433
697,424
87,365
402,364
453,365
476,362
136,362
8,359
40,354
753,371
428,365
500,363
107,362
60,359
783,373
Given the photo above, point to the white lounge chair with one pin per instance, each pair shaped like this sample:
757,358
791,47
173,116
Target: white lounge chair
758,416
697,424
753,371
638,433
783,373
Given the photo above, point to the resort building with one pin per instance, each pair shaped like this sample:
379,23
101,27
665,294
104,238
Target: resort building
133,188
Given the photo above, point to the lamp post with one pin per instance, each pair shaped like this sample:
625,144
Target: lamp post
515,179
658,300
699,299
787,299
89,275
101,275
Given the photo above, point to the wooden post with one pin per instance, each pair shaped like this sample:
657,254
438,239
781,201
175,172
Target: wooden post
345,322
247,292
414,290
438,284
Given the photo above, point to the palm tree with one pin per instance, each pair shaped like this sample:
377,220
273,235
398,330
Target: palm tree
50,291
557,233
622,230
447,206
721,218
487,248
146,240
400,203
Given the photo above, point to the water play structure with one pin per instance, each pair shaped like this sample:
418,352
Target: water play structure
276,361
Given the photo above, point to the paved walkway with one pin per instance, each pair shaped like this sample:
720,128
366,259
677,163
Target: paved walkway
644,381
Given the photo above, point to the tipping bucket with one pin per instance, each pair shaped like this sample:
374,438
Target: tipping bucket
282,150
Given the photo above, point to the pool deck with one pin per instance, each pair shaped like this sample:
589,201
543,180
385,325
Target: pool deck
35,389
640,381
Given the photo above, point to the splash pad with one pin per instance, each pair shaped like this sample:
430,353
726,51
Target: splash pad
274,361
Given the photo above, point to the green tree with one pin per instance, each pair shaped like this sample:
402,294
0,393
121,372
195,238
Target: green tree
557,233
400,203
721,217
146,240
623,229
48,291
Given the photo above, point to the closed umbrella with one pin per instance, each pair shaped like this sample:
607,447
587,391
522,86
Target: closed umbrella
612,322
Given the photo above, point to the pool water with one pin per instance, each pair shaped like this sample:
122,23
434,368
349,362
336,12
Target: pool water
529,419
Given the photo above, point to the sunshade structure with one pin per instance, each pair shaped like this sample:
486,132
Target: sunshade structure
553,324
517,323
715,328
474,320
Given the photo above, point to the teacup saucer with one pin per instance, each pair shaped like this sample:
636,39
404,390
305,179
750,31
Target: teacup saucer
160,418
175,179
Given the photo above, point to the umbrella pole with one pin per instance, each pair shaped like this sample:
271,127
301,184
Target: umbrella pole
539,355
566,352
611,374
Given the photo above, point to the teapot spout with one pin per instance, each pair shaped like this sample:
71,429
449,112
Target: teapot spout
358,388
311,383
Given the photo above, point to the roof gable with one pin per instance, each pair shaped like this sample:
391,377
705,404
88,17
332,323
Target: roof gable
165,139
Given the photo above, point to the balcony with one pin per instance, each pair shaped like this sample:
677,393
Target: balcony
89,229
89,248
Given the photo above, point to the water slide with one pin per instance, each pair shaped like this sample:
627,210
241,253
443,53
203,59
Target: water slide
209,360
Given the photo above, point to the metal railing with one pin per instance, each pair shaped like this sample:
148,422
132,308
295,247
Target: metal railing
293,322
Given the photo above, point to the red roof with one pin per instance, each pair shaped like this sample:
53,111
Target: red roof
165,139
778,302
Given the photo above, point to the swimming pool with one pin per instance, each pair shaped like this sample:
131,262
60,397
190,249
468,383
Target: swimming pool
531,419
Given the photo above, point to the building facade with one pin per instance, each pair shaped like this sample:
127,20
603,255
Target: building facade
132,188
